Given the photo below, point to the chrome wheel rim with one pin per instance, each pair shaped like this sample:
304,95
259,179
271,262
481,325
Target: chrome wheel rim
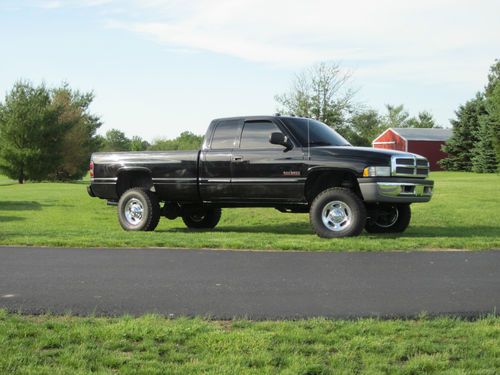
134,211
392,219
336,216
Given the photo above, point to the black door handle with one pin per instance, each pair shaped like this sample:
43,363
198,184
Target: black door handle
237,158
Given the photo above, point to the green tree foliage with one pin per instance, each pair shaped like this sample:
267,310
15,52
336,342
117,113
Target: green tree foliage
185,141
493,78
465,135
115,140
493,108
396,117
323,93
80,139
475,144
365,126
399,117
46,133
138,144
423,120
484,158
31,134
486,150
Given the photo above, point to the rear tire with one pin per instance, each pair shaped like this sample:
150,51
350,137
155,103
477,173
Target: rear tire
337,212
138,210
205,218
391,219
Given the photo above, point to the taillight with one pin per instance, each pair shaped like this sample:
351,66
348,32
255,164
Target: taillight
91,169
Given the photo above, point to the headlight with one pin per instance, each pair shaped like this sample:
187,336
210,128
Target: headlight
376,171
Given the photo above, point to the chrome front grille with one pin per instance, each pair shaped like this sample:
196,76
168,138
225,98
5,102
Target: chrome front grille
409,166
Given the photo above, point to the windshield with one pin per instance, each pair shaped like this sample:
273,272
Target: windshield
319,134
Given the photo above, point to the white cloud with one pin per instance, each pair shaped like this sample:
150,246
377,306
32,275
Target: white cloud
386,35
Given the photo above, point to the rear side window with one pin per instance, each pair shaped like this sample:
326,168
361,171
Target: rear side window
256,134
224,135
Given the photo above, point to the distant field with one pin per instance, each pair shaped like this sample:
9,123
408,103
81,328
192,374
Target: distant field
155,345
463,214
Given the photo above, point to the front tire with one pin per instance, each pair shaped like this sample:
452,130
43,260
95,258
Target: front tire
389,219
138,210
337,212
206,218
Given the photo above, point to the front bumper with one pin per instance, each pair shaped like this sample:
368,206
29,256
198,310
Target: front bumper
395,190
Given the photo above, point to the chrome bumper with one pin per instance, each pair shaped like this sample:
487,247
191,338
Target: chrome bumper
396,190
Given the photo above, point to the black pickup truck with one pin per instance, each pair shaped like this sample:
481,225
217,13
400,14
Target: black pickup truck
290,163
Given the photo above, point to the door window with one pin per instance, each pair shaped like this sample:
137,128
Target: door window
224,135
256,135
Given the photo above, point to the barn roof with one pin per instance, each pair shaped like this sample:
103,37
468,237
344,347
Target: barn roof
424,134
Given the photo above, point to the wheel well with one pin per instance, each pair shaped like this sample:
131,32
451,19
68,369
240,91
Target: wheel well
133,179
318,181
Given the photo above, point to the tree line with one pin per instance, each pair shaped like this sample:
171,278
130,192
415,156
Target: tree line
116,140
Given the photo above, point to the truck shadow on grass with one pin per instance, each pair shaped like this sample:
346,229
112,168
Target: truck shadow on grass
20,206
6,219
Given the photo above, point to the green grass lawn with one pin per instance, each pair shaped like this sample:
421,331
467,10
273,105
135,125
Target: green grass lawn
155,345
463,214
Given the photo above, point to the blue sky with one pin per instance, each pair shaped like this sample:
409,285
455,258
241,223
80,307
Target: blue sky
159,67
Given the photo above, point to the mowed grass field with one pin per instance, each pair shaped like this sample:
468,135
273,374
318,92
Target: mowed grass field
155,345
463,214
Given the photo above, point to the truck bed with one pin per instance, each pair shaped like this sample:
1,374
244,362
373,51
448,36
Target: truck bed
174,173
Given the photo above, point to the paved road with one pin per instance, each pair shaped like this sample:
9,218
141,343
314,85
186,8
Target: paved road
258,285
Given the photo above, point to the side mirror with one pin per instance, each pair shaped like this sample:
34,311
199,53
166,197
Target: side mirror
279,138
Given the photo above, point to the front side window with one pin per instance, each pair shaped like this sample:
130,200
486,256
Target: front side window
256,134
314,133
224,135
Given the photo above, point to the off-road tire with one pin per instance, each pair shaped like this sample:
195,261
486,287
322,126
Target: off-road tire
150,210
399,226
355,208
205,219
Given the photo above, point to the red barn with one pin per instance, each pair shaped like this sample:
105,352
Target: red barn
422,141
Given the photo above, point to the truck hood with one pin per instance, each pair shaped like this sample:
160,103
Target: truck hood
368,155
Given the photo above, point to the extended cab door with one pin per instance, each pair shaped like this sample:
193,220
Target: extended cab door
215,160
263,171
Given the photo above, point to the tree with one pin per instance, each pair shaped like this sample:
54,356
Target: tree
423,120
484,158
185,141
31,134
486,152
321,92
80,139
365,126
493,78
465,135
138,144
493,109
399,117
116,140
396,117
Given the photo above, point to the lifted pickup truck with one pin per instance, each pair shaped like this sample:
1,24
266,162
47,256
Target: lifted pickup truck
290,163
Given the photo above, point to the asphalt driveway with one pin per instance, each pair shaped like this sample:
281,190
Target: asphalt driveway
257,285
